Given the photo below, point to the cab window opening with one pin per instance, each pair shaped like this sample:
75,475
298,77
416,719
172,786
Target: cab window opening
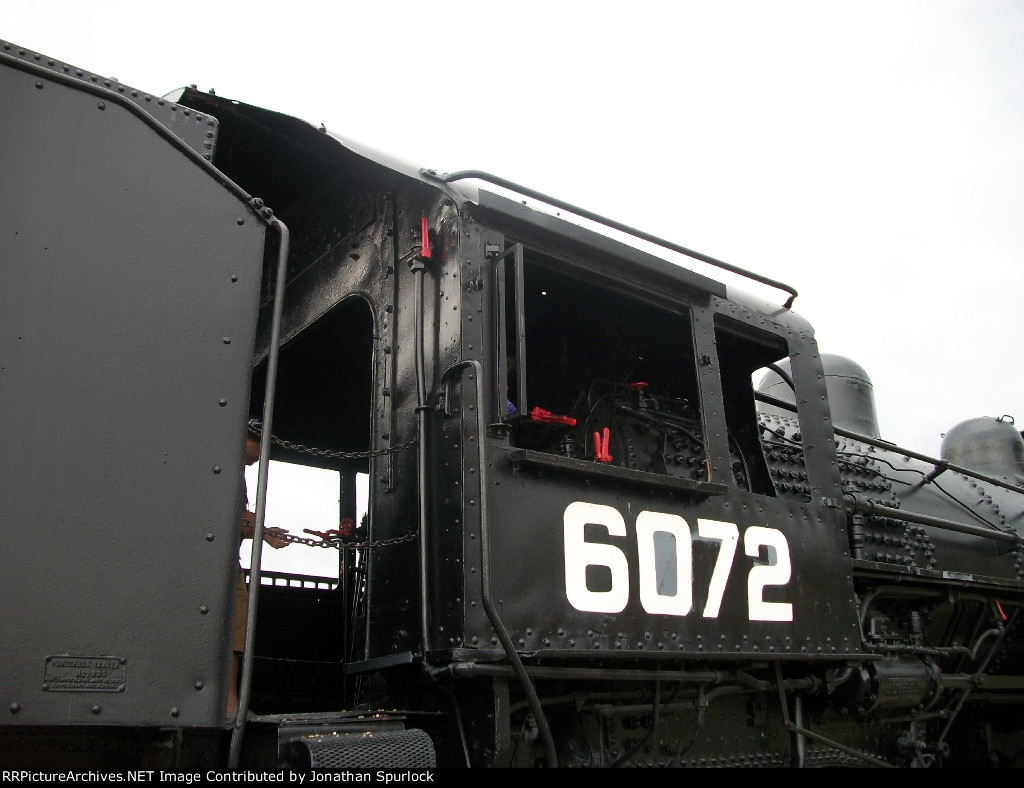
587,358
766,456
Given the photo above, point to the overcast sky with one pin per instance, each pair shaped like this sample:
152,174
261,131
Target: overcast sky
869,153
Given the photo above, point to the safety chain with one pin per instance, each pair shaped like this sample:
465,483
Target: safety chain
336,542
340,455
340,544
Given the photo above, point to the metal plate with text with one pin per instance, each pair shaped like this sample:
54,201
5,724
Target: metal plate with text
84,674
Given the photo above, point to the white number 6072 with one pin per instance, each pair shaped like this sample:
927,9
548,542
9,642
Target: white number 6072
581,554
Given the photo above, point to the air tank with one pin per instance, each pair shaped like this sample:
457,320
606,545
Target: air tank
989,445
851,396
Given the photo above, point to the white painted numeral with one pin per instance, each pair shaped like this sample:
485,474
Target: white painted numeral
728,536
651,583
579,554
775,573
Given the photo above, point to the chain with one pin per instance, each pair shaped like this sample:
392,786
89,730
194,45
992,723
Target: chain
341,455
343,545
335,542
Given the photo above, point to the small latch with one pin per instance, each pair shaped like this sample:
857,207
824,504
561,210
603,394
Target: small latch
492,249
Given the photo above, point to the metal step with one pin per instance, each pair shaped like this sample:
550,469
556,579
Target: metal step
379,749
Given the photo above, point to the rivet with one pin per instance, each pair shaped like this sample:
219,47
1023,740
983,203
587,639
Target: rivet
227,340
203,609
101,105
96,709
198,685
240,220
39,85
174,711
209,537
15,708
222,402
216,469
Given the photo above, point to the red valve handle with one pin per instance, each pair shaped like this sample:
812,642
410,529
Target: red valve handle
601,447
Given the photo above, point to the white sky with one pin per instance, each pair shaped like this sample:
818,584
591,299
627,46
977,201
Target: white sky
870,153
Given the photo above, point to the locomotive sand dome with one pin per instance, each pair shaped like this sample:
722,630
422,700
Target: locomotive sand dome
850,393
986,444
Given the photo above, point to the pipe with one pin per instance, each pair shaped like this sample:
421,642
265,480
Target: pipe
551,753
865,506
418,267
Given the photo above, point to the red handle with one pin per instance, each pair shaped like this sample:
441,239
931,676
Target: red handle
601,446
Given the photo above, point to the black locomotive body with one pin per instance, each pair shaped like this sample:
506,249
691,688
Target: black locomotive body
617,513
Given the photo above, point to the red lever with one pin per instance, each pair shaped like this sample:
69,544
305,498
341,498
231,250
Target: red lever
1002,614
546,416
322,534
345,528
601,447
425,240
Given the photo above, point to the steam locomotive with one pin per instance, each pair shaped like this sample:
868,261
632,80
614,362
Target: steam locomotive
617,513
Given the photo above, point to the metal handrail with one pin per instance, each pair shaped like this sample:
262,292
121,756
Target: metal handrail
582,212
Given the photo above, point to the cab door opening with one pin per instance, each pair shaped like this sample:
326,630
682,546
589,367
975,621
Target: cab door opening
309,616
